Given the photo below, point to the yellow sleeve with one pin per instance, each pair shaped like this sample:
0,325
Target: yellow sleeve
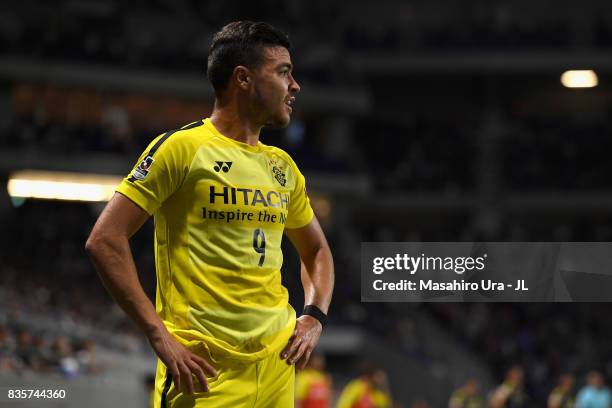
350,394
381,400
158,173
302,383
300,212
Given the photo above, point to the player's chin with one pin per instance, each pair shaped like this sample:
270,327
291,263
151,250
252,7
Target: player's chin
279,121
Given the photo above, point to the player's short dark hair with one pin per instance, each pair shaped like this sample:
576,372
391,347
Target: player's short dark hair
240,43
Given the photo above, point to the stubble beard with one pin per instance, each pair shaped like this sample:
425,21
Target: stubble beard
273,118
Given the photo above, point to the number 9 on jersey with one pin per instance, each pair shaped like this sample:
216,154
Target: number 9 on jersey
259,244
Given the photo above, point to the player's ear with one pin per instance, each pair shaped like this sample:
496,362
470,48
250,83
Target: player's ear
242,77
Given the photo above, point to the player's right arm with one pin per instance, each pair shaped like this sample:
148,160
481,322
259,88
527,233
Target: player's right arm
158,173
108,246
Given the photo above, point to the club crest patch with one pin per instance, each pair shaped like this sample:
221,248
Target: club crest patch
278,172
143,168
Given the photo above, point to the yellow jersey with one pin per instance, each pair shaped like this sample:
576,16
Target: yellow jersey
460,398
220,207
360,394
313,389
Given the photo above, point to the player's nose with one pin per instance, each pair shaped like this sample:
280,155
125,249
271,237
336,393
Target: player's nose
294,87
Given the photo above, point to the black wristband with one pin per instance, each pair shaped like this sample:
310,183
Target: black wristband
312,310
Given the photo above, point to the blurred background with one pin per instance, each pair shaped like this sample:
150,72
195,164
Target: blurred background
417,121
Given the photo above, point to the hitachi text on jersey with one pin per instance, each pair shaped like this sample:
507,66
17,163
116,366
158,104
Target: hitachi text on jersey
248,196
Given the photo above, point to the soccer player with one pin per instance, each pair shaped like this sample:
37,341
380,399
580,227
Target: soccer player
466,396
221,201
510,393
594,394
561,396
371,390
313,385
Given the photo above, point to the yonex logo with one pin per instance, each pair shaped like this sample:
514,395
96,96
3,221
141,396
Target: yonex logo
221,165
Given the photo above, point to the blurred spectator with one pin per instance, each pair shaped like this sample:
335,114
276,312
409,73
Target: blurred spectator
65,358
36,353
7,351
29,355
43,352
86,356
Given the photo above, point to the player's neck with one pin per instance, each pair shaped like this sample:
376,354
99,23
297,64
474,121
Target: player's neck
231,123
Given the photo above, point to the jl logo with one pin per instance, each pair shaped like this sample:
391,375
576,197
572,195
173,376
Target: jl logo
222,166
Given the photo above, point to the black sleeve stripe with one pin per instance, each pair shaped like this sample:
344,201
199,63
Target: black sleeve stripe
163,139
164,396
170,133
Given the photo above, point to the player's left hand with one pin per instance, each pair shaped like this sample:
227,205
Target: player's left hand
303,341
